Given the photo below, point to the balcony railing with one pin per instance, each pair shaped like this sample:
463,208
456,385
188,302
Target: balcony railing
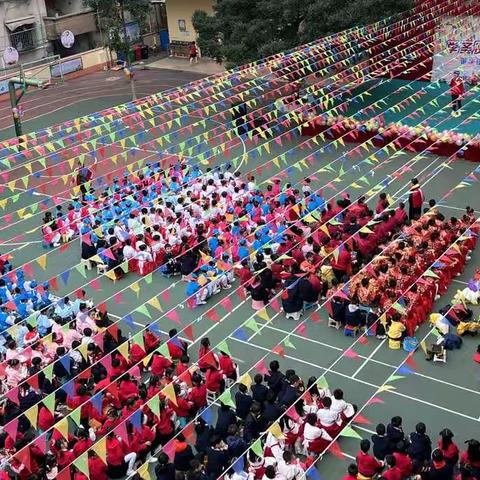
28,39
77,23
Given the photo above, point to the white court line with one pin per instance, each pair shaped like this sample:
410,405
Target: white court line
459,281
373,360
393,392
369,358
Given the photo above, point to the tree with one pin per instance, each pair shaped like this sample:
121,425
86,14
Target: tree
112,17
241,31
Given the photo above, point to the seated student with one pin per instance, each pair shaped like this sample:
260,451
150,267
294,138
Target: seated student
290,467
315,439
420,448
437,469
392,472
353,316
352,472
381,442
329,419
368,466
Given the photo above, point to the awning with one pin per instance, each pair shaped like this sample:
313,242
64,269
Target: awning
19,22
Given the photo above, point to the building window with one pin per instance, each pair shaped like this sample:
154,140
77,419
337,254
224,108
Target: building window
24,38
182,25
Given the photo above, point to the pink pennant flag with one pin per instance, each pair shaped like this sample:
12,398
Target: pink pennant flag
12,428
173,315
275,305
349,353
315,317
292,413
302,330
260,366
375,400
121,431
166,295
95,284
169,449
12,395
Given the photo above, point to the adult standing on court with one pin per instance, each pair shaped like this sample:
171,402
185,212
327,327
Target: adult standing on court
457,90
193,52
84,175
415,200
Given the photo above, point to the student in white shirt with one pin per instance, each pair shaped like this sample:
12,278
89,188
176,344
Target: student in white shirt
289,467
315,439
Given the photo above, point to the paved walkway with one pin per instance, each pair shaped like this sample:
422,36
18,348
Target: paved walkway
204,66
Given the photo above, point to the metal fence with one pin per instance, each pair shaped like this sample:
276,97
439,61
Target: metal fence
27,39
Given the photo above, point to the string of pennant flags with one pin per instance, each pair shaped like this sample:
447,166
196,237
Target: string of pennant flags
127,347
357,33
64,177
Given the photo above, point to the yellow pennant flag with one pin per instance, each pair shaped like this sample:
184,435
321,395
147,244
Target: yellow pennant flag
83,349
147,359
263,314
144,471
62,427
100,448
276,431
123,350
324,229
42,261
386,388
32,414
246,379
169,393
135,287
155,304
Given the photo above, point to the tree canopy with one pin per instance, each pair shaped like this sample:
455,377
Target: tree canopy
241,31
111,13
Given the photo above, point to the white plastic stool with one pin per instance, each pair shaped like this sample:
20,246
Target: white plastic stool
333,323
211,397
86,263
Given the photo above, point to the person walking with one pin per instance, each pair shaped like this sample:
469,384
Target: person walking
415,200
457,90
193,53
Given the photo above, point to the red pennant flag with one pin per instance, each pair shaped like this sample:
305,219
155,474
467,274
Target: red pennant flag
212,315
173,315
86,239
363,340
102,307
86,374
226,303
28,270
113,331
335,449
328,307
23,456
64,474
301,330
33,381
53,283
410,361
362,420
41,442
315,317
279,350
188,330
241,293
95,284
80,294
64,246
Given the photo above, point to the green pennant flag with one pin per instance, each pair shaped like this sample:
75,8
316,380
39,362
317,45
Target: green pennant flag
322,383
252,325
154,404
82,464
81,270
148,278
348,431
138,339
75,416
392,378
226,398
163,350
49,402
223,347
257,448
431,274
287,342
144,310
48,371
